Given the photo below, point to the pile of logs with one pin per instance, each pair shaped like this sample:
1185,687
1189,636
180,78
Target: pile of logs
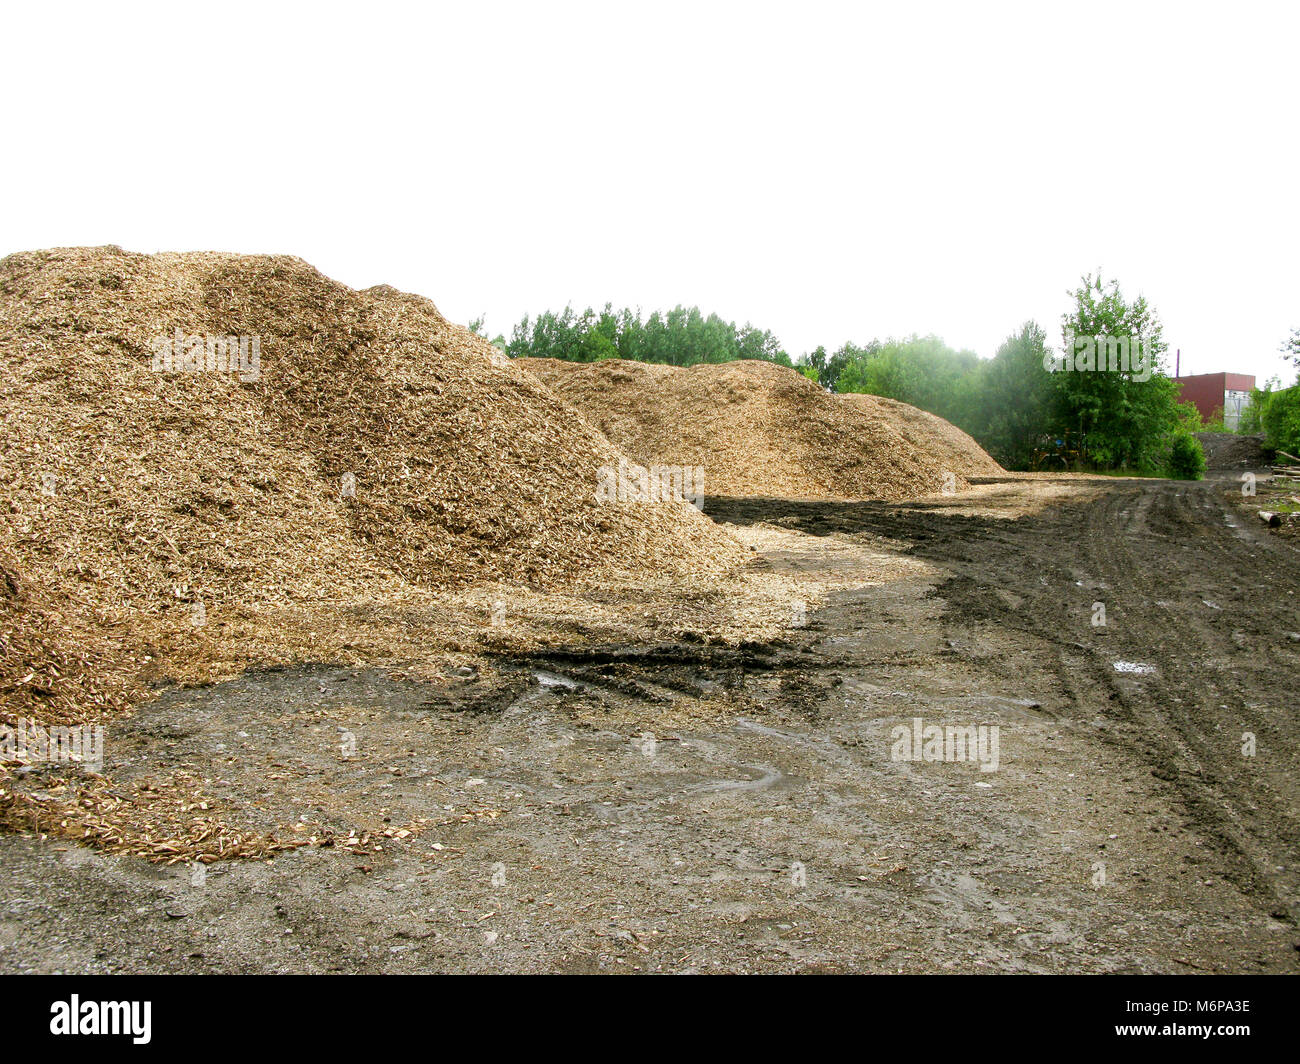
1284,473
1287,472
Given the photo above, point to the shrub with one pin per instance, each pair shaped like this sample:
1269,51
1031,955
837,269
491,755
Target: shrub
1187,458
1280,419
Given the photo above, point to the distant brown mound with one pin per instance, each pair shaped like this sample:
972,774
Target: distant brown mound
1226,450
379,447
758,429
930,434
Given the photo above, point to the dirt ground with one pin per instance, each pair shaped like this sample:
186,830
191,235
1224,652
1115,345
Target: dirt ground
688,807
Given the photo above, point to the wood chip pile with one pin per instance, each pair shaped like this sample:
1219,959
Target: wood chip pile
380,449
930,434
763,430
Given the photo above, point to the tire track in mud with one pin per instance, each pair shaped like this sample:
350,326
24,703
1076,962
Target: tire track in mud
1210,690
1205,602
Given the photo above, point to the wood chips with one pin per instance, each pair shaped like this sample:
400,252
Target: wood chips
383,490
762,430
929,434
164,526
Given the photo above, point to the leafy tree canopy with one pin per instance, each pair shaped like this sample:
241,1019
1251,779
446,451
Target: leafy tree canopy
682,336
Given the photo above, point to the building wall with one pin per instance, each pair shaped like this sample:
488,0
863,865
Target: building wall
1234,402
1212,392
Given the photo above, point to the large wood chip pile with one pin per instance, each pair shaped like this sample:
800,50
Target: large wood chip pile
763,430
381,449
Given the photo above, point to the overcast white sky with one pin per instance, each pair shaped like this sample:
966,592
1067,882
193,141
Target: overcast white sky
828,171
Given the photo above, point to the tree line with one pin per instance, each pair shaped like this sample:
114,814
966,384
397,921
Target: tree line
1033,406
1274,410
682,336
1102,400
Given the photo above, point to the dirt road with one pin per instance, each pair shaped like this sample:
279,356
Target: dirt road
688,807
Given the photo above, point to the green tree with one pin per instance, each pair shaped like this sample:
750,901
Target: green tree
1292,349
828,368
1280,419
1251,422
921,370
1015,401
1127,417
682,336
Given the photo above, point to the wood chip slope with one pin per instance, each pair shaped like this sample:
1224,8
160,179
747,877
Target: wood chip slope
931,434
762,430
131,495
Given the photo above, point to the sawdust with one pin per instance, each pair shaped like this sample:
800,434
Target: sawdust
757,429
164,525
930,434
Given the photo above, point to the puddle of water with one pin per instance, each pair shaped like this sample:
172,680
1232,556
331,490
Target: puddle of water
771,778
550,679
1134,667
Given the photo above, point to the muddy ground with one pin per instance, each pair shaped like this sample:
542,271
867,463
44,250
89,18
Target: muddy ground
697,808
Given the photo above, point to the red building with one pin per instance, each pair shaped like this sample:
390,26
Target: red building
1212,393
